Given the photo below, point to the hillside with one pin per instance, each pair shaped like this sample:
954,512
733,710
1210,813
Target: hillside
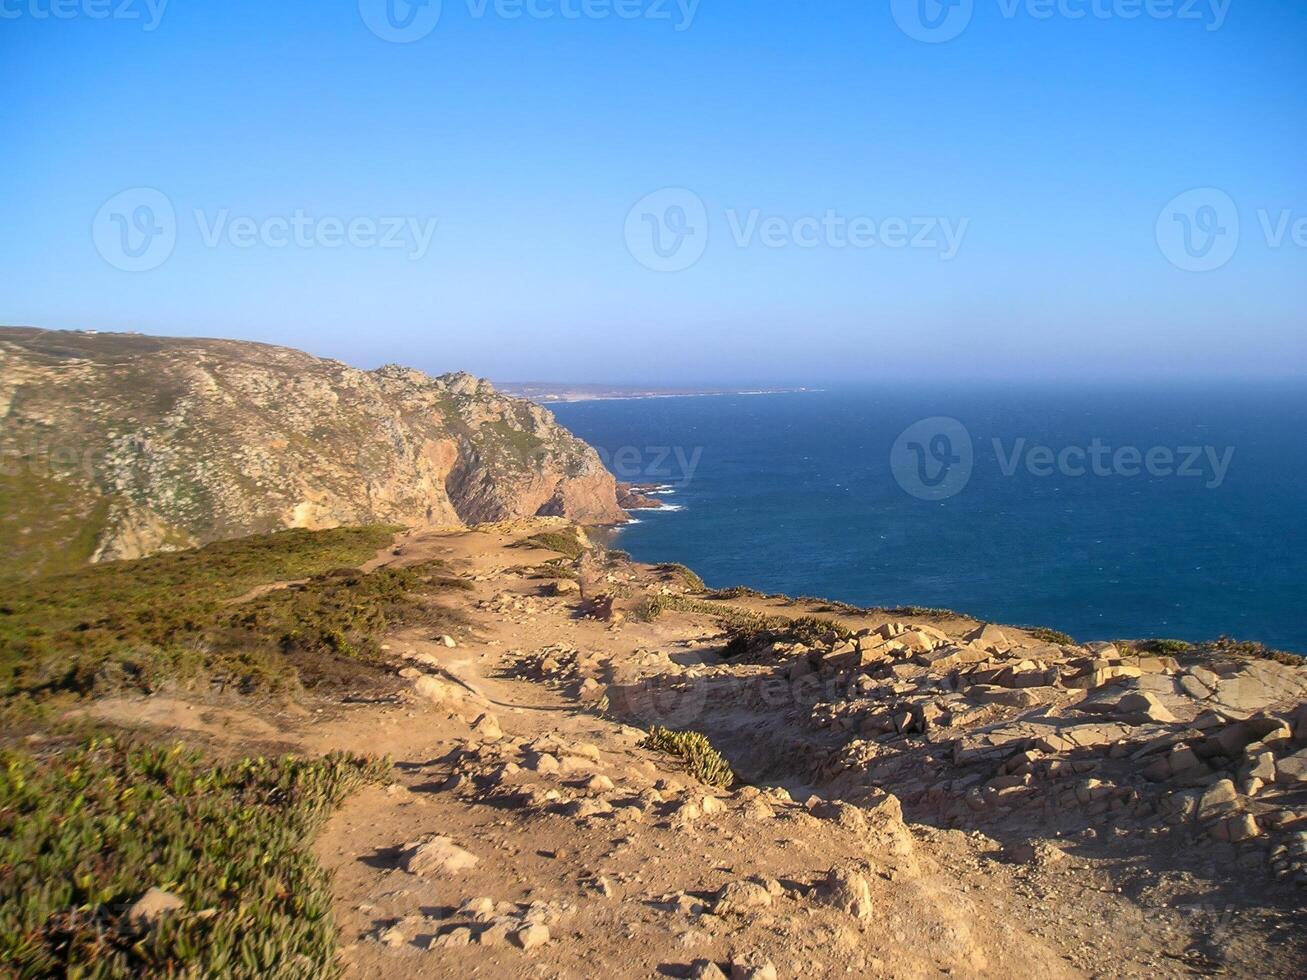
506,752
119,445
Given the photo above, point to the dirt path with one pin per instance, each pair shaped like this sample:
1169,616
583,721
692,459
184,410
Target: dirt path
597,857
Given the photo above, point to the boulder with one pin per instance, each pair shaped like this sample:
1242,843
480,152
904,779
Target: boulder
1144,707
919,641
752,966
531,936
948,657
846,890
1032,852
741,897
990,637
1219,800
706,970
486,728
436,690
1236,829
147,911
436,857
544,763
1103,675
1292,769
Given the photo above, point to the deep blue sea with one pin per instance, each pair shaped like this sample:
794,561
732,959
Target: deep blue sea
1109,513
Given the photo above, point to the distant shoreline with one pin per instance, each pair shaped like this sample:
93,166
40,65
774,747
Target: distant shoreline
547,393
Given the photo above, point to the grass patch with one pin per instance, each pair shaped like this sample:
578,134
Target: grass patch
1222,646
701,760
551,571
565,544
909,611
748,630
1163,648
766,630
84,834
683,576
1226,646
170,619
523,444
737,592
47,524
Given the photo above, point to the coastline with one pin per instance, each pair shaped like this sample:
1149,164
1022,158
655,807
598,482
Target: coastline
572,394
609,537
800,495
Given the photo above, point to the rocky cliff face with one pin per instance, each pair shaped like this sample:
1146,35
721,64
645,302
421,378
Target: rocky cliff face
120,444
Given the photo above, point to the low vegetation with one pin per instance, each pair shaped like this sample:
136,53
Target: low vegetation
195,617
85,833
654,606
748,630
560,541
552,571
1161,648
87,825
766,630
912,611
47,524
1222,646
702,761
682,576
737,592
1226,646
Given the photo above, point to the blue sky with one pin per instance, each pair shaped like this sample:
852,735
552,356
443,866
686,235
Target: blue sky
1051,147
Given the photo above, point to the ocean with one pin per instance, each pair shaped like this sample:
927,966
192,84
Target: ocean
1107,513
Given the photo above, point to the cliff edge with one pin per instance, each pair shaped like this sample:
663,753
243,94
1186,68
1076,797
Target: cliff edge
119,445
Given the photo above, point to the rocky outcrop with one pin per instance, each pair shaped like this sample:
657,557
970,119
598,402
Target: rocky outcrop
189,441
635,496
1017,736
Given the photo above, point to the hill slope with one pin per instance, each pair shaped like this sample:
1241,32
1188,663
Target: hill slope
119,445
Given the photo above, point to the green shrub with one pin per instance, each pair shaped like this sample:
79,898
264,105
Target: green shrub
86,833
173,619
1226,646
552,571
684,576
648,609
761,631
702,761
1165,648
561,542
910,611
737,592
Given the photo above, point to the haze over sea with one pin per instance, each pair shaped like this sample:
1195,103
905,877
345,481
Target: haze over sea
1117,530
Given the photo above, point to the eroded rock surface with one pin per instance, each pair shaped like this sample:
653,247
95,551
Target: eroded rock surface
158,443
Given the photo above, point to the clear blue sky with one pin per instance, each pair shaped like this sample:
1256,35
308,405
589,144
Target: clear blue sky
1060,141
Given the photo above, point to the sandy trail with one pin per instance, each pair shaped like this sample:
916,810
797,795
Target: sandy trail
613,852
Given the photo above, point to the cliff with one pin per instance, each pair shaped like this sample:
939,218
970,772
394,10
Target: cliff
118,445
